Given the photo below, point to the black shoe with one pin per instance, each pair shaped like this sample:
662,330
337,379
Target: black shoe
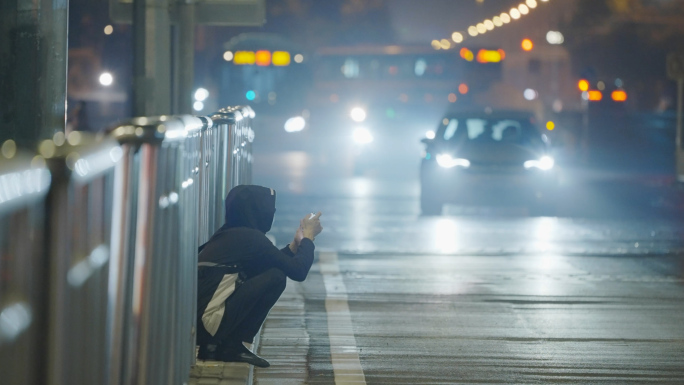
241,354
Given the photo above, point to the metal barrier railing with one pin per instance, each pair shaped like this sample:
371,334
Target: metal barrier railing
105,289
23,189
78,240
173,209
228,163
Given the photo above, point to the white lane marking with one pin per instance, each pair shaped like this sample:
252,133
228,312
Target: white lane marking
345,355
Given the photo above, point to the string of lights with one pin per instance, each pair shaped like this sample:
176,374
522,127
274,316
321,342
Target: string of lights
488,25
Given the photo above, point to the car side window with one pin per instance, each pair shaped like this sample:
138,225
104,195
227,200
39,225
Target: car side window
451,128
476,129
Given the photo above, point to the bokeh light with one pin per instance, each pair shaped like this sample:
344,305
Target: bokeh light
527,45
106,79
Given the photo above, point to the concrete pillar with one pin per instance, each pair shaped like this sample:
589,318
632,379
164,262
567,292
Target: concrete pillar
33,69
184,72
151,58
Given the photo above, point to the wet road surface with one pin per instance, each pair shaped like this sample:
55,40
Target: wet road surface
476,295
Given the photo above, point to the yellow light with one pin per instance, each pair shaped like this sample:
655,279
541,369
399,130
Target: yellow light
595,95
244,58
515,14
435,44
472,31
227,56
523,9
531,3
550,125
444,43
457,37
497,21
619,95
281,58
481,28
487,56
505,18
583,85
527,45
467,54
108,30
489,25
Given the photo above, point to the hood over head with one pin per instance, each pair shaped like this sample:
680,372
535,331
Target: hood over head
250,206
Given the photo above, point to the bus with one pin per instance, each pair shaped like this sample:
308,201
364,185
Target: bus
369,105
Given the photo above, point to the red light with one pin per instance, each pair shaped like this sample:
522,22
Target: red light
619,95
463,88
263,58
595,96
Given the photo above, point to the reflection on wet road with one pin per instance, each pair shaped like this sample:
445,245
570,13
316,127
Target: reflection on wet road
480,295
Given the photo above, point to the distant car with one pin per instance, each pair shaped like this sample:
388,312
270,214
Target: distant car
488,159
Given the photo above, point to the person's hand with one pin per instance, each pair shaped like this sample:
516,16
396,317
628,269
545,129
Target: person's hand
311,225
299,235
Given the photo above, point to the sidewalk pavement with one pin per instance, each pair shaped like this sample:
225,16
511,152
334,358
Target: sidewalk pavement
283,341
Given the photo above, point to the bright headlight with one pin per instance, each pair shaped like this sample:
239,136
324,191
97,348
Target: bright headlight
295,124
361,135
358,114
544,163
448,161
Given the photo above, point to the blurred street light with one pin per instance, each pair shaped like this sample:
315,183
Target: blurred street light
555,37
227,56
106,79
583,85
108,30
527,45
530,94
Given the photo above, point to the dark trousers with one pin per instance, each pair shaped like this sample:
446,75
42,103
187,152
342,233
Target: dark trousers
246,309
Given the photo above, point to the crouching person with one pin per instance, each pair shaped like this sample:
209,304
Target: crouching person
241,274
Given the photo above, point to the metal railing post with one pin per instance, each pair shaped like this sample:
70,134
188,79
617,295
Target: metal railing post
24,186
79,209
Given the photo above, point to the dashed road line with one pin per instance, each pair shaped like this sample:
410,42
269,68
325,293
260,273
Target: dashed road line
345,355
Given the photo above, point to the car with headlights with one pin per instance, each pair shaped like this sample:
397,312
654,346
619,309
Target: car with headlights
488,159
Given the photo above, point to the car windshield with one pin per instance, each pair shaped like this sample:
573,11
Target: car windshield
464,130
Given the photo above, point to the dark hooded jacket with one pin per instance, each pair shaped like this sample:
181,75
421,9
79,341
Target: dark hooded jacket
239,250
